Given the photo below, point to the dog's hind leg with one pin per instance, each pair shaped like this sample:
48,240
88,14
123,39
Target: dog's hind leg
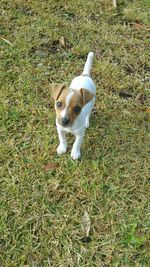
87,120
87,123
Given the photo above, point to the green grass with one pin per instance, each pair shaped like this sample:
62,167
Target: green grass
41,210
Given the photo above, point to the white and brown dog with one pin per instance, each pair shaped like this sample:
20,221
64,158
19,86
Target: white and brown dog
73,106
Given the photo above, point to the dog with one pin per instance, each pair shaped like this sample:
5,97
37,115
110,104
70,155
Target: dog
73,107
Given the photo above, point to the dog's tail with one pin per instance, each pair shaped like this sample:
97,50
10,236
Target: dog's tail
88,64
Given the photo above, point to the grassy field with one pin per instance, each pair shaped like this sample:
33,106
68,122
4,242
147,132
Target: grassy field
43,197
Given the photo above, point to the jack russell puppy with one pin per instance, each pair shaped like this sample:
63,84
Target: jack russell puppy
73,107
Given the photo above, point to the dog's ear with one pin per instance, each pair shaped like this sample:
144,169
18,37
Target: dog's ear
56,90
86,96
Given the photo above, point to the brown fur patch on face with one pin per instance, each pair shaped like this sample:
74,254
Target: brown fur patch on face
56,89
62,97
75,107
60,104
87,96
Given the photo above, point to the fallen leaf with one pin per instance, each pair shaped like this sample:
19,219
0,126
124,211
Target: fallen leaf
62,41
86,224
6,41
140,26
50,166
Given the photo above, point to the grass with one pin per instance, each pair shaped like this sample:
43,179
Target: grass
43,196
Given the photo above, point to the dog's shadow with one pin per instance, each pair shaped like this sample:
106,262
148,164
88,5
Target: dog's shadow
92,147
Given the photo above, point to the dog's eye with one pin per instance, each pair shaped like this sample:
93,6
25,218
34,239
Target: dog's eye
77,109
59,104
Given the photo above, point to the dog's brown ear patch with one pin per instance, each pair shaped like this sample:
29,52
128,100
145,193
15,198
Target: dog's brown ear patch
56,90
86,96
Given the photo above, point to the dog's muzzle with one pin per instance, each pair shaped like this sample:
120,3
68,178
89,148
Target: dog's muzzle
65,121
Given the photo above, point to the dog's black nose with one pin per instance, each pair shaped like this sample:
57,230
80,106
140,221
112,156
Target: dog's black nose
65,121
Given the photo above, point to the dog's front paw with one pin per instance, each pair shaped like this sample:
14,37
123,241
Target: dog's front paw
75,154
61,149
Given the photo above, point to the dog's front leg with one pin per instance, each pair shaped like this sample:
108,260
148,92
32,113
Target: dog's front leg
75,152
62,148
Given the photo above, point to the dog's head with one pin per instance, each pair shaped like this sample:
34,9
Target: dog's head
69,103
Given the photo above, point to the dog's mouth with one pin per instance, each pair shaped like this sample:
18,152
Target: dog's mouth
65,126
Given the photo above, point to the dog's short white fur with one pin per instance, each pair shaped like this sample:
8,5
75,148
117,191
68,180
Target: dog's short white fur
82,121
